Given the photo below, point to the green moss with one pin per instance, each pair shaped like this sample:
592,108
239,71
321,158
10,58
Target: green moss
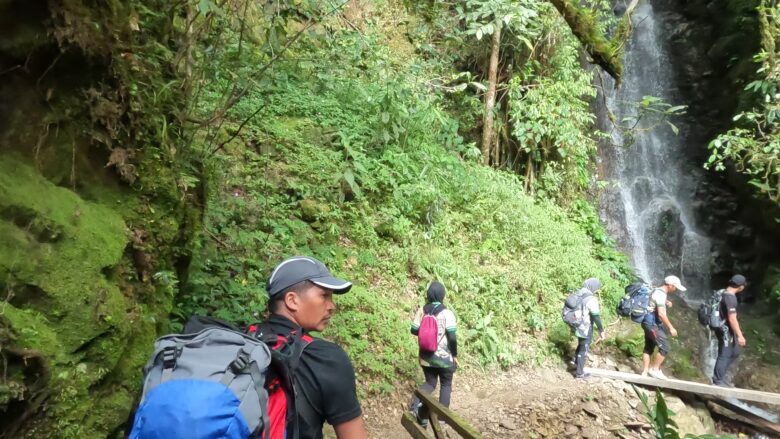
66,244
630,339
683,365
605,52
63,260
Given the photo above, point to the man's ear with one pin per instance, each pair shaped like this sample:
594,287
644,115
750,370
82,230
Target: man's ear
292,301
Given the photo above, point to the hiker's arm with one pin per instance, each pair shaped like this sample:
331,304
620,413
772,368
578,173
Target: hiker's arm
354,429
452,342
597,320
415,329
665,320
734,324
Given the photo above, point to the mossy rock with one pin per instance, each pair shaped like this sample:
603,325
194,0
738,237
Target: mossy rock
312,210
629,338
69,332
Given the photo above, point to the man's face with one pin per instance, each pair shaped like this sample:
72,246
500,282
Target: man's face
314,308
740,289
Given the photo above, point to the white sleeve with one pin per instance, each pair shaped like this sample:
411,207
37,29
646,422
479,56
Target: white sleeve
449,321
417,319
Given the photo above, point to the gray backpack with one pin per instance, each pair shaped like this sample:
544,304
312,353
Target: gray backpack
209,384
573,313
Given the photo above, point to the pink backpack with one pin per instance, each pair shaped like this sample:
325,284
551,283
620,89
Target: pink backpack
428,335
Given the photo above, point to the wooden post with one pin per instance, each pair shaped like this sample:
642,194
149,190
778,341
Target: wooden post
451,418
415,430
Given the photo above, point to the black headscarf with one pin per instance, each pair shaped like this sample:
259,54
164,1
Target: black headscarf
435,297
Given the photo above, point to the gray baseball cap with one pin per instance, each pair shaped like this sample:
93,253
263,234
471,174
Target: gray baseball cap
300,268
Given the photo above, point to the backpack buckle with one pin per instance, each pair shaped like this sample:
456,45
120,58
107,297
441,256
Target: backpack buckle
170,354
242,359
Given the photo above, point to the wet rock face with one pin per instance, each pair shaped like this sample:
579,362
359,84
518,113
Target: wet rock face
711,45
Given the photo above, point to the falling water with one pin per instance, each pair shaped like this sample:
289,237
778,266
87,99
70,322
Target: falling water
650,206
653,187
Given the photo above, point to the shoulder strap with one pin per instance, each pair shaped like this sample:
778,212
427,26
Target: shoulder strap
435,310
297,342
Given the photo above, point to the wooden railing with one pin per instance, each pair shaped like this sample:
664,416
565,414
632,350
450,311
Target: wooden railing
434,411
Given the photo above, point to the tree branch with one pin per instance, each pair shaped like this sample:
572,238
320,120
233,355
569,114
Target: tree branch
605,53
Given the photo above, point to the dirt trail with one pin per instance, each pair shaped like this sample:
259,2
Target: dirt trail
529,403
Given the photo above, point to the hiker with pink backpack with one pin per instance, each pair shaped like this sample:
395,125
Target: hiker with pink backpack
435,328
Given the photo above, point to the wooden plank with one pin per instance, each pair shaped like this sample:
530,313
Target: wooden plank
437,431
451,418
748,416
409,422
689,386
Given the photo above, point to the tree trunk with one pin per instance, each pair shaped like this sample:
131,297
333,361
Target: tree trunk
490,98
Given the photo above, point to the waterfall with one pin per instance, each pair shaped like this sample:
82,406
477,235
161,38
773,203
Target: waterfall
654,192
649,207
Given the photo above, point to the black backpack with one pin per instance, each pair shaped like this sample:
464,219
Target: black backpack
635,302
709,311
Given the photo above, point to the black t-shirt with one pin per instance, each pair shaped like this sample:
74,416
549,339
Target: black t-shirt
728,305
326,379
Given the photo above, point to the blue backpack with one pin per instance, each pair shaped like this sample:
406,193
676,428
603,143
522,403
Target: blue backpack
635,302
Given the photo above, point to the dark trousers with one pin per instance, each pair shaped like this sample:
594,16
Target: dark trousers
432,375
728,351
582,351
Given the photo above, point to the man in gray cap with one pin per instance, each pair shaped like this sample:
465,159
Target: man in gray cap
300,299
656,325
730,338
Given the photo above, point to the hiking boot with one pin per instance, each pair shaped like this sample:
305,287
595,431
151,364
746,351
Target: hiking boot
724,384
644,373
584,376
656,373
423,421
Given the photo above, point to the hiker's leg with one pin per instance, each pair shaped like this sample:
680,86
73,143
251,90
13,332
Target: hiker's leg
648,350
431,377
663,347
428,386
659,359
645,362
734,354
722,363
445,375
582,352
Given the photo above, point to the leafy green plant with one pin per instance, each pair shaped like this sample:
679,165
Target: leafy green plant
752,146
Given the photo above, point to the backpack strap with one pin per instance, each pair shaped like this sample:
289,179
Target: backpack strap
288,361
435,310
242,364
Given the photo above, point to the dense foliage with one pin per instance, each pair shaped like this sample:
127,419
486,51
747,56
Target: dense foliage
196,144
752,146
354,146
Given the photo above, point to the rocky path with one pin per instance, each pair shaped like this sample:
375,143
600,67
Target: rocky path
542,403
